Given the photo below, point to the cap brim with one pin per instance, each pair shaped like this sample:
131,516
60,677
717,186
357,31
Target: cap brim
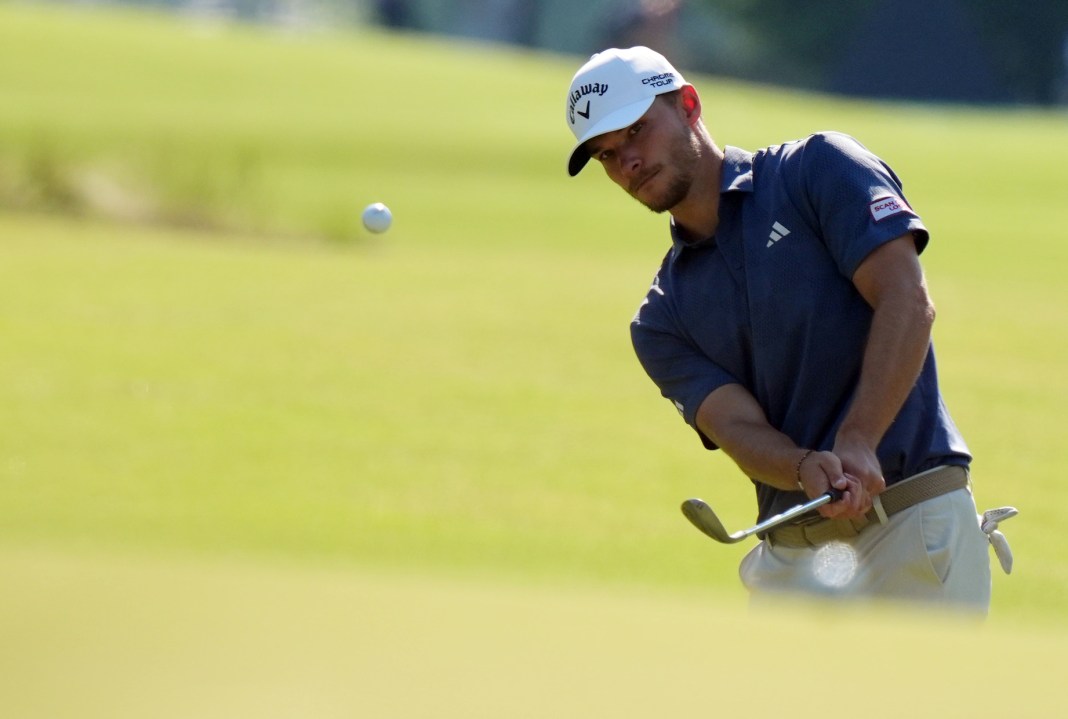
623,117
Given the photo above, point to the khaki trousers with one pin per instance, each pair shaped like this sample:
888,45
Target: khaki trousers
933,553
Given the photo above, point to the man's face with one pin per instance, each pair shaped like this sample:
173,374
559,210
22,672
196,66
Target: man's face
654,159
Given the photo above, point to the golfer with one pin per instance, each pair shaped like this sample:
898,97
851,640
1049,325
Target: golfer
790,325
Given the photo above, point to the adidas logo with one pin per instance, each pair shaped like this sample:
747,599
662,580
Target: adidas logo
777,233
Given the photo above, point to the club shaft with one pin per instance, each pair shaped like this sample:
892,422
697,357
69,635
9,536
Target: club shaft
793,512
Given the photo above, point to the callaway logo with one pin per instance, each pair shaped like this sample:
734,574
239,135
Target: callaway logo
595,88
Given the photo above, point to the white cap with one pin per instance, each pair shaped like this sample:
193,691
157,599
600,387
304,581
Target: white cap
612,91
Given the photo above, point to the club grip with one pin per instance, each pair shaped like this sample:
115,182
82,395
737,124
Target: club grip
834,494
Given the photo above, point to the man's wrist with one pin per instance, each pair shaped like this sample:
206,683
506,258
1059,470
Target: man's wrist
797,469
855,437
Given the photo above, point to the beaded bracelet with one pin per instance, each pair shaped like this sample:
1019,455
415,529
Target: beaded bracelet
798,469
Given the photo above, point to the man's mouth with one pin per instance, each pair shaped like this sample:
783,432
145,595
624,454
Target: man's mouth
637,184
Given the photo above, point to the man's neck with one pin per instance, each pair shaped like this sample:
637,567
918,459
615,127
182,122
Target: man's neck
697,217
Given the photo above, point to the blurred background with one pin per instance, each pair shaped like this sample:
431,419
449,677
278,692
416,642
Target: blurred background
971,51
257,461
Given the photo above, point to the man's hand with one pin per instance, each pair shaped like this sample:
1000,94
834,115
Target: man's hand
820,471
859,460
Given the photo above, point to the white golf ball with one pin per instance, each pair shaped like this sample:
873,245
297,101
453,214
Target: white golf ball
377,217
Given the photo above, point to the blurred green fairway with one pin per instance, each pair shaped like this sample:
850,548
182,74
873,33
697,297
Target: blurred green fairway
215,639
222,400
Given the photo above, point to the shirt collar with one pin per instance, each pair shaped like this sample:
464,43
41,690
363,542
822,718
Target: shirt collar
737,170
737,177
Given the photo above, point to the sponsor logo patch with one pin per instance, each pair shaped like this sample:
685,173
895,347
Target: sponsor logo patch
887,207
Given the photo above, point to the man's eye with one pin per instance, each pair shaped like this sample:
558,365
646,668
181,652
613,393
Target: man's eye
604,155
636,128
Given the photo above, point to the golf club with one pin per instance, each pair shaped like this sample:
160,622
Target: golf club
702,517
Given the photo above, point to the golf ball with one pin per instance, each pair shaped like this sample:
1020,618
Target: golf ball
835,564
377,217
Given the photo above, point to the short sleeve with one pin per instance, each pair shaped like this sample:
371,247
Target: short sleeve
855,200
684,375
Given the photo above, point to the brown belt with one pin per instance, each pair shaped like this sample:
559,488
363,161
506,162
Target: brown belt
904,494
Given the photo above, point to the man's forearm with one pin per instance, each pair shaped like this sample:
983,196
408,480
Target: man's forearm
732,419
897,346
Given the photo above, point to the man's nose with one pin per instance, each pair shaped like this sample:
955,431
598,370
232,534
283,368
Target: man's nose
630,162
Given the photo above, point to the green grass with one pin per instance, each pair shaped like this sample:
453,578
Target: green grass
188,366
221,639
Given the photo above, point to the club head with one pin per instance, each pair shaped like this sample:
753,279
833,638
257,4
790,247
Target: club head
992,517
702,517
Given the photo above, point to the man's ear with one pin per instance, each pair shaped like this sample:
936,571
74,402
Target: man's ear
690,102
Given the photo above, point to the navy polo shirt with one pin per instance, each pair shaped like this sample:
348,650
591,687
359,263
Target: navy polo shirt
769,303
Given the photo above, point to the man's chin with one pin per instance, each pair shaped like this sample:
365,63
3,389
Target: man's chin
658,208
646,194
664,201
